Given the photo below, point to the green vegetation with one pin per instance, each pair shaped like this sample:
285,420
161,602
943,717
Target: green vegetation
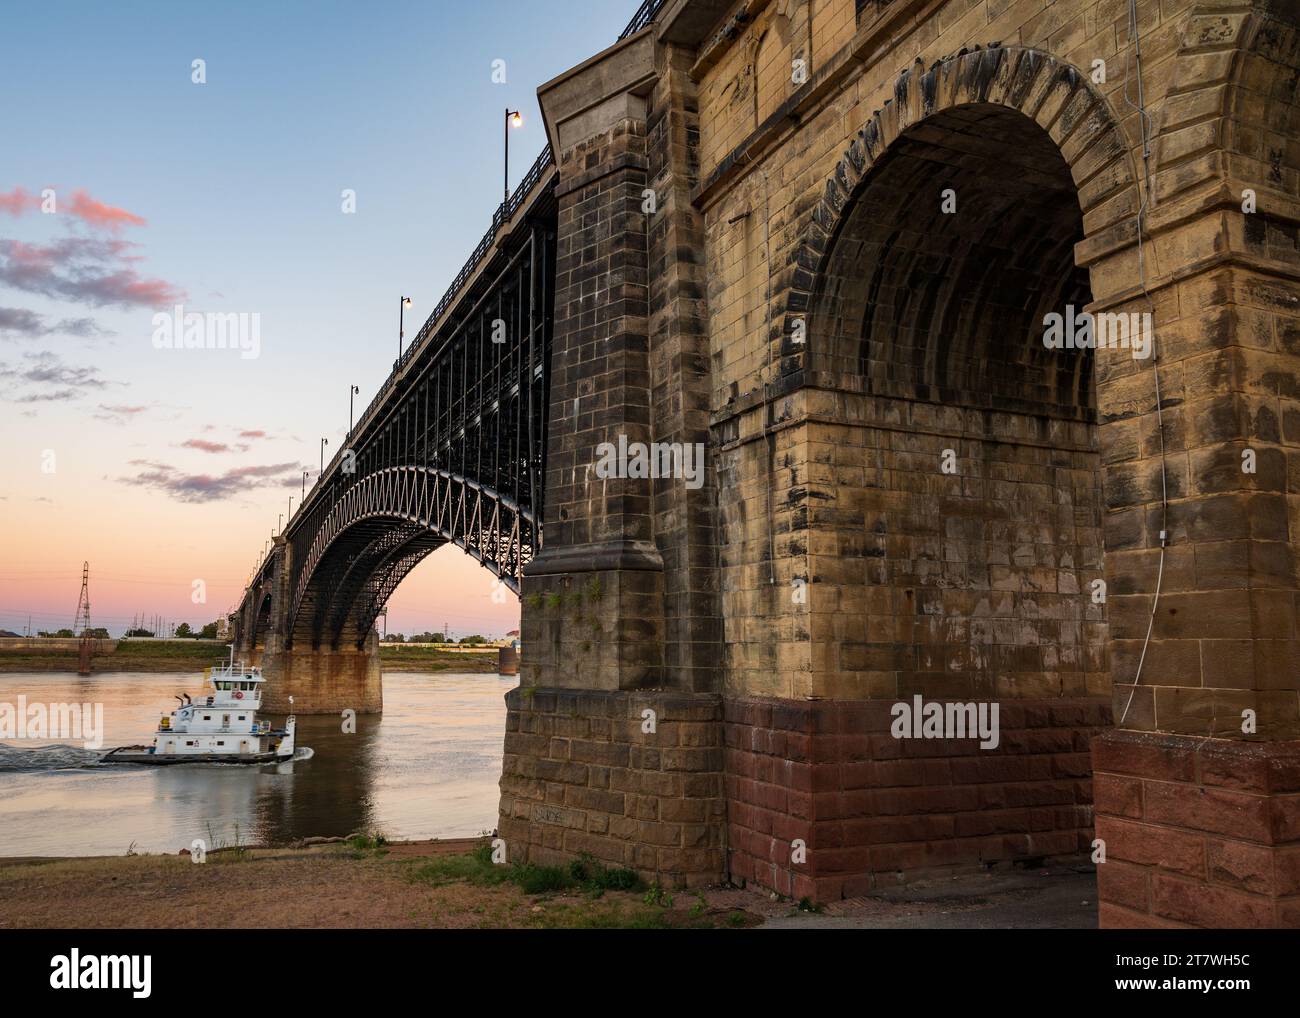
363,845
585,894
119,656
656,895
583,874
403,658
193,656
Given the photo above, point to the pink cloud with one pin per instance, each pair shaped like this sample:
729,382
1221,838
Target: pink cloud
96,213
89,270
81,205
17,201
205,446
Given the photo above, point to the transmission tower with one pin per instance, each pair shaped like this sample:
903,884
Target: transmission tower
82,619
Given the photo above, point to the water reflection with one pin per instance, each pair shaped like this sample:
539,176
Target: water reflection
427,767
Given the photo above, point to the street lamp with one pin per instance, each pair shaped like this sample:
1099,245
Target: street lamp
401,324
353,390
323,443
280,524
304,484
291,507
513,119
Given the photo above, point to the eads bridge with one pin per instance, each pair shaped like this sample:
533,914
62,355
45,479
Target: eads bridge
821,240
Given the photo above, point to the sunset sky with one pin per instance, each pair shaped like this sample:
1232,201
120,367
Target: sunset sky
162,467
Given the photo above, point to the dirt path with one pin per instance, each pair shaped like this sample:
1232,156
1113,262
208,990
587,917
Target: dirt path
329,886
438,884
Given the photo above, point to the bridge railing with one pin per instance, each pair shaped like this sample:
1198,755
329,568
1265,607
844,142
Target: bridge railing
499,218
644,15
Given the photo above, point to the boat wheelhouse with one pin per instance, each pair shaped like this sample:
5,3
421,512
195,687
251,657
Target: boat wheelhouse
222,727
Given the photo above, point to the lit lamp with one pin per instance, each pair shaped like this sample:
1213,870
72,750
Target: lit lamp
401,324
513,119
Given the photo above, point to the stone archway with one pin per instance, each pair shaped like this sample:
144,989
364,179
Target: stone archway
954,555
1052,94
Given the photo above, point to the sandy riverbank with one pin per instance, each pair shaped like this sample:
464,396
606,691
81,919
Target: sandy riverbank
181,656
357,884
452,884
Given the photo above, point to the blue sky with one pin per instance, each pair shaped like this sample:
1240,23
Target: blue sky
238,183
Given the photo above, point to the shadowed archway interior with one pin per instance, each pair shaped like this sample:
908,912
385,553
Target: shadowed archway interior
959,242
980,532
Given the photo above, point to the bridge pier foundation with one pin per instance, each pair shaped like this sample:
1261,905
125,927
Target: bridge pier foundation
633,778
322,681
915,496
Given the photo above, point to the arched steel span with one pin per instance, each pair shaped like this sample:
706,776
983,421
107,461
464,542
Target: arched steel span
451,448
451,451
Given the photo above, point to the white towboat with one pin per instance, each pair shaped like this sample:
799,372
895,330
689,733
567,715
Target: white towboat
221,728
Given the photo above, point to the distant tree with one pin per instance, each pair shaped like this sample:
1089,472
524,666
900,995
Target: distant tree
208,632
183,631
65,633
427,638
99,633
472,641
394,638
137,632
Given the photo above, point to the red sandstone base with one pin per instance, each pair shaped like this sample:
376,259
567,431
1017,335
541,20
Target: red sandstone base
873,810
1198,832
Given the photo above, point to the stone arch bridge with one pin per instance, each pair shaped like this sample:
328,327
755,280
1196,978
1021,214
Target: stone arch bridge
821,239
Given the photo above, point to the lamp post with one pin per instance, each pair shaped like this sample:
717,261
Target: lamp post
304,484
290,507
401,324
513,119
353,390
279,526
323,443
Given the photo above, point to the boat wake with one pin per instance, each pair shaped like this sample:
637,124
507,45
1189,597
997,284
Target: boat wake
303,753
46,758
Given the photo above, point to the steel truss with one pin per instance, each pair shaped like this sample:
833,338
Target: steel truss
455,455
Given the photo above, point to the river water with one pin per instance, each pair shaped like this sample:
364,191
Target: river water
427,767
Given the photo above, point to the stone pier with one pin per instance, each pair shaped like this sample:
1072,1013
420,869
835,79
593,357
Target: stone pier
826,241
320,680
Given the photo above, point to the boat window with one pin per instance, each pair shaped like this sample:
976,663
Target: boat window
207,717
242,718
221,742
